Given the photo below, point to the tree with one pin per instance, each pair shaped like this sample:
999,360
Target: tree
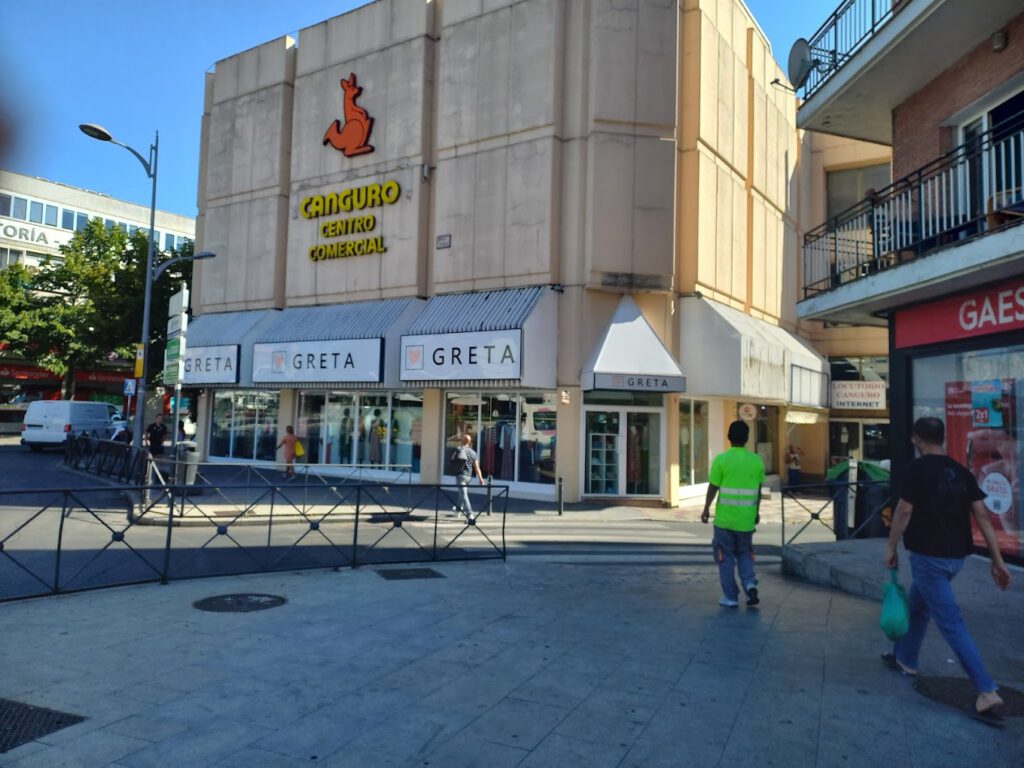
86,306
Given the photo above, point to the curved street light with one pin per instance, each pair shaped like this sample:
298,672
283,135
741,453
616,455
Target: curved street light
98,132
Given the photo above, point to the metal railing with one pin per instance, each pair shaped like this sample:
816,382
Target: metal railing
830,508
971,190
846,29
106,458
61,540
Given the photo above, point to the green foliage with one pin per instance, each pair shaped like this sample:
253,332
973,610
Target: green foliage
86,306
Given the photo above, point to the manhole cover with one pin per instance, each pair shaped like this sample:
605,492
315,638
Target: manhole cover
958,692
396,574
242,603
22,723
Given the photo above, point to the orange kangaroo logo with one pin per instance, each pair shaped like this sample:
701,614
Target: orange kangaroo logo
352,137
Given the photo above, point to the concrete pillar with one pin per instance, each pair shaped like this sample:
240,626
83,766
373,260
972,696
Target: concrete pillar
285,416
672,457
567,447
432,447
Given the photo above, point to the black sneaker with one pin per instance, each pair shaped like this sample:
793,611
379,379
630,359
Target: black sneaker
752,598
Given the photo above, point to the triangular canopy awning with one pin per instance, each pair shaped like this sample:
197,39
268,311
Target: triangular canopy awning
630,356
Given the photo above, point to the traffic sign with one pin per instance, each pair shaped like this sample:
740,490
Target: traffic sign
175,349
129,387
140,360
177,325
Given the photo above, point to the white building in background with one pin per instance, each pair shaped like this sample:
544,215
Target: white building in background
38,216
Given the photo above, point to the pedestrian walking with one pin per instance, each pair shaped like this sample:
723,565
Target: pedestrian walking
933,516
736,477
288,442
793,454
156,433
470,466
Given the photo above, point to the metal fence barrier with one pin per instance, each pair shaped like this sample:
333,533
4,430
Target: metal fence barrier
860,509
60,540
106,458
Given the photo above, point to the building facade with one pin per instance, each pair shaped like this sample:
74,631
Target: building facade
38,216
564,228
936,256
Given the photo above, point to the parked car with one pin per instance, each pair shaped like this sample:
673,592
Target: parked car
49,422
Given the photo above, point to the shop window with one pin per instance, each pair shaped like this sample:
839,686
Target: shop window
244,425
515,435
693,442
407,431
980,397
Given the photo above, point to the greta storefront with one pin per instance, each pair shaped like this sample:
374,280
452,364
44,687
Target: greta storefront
961,359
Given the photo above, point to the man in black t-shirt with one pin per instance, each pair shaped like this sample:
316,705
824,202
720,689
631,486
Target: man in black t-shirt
155,435
937,499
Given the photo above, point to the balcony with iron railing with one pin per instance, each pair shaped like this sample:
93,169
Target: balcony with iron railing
974,190
870,56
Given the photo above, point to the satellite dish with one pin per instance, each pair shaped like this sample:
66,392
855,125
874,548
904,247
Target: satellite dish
800,63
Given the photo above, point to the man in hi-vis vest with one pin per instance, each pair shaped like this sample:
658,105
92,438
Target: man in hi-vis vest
736,477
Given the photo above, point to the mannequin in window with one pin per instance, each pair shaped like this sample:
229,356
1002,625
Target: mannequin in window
345,438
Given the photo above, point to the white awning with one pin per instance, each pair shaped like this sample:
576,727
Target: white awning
218,347
486,338
730,353
333,345
631,357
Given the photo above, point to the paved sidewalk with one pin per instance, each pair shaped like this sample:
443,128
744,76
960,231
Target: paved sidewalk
532,662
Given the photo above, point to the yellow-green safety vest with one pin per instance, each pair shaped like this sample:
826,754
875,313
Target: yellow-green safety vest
738,473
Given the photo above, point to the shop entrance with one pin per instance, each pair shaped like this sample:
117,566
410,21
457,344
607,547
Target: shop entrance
622,451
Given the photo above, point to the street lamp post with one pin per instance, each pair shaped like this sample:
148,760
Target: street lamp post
100,133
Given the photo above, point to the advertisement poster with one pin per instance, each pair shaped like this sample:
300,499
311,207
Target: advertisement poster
981,433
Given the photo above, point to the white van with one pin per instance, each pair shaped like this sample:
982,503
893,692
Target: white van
49,422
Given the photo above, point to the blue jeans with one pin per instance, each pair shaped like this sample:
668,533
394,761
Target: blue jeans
463,481
931,595
734,548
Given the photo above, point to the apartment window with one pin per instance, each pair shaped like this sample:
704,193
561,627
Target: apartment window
847,188
67,219
20,208
109,224
35,212
5,205
50,218
168,241
81,221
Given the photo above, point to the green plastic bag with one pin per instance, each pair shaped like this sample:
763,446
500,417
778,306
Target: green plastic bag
895,609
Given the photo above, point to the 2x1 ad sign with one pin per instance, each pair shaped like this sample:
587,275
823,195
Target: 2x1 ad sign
463,356
339,360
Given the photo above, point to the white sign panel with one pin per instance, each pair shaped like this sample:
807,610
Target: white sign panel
463,356
179,302
177,325
329,361
860,395
211,365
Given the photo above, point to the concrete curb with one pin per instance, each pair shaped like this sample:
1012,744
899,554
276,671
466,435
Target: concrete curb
838,566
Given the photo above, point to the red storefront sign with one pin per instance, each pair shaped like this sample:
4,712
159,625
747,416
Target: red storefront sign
34,373
979,313
26,373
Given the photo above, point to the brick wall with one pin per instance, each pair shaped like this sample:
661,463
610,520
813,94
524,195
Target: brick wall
918,133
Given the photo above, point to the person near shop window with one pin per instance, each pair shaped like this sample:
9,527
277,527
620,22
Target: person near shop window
288,443
156,433
793,454
933,517
736,477
470,466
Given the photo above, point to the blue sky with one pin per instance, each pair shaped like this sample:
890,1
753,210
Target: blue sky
137,68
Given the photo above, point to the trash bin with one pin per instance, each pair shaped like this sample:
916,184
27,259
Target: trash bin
872,495
187,462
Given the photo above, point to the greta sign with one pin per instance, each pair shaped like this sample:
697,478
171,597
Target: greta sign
978,313
211,365
462,356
